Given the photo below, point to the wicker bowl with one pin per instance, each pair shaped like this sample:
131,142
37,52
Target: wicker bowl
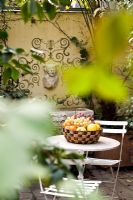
82,137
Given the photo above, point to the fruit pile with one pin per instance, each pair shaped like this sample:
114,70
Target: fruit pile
81,122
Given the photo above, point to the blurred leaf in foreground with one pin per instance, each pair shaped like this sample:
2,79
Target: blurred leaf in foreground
111,36
83,81
21,124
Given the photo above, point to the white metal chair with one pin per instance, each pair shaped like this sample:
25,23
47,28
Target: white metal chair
70,188
113,127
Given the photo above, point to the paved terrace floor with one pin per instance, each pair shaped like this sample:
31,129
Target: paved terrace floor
124,185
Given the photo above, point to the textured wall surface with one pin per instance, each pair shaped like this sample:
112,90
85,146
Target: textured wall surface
53,40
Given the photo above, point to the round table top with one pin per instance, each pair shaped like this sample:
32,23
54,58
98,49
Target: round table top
103,144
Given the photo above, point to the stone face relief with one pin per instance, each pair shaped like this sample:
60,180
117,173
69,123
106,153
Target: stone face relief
50,78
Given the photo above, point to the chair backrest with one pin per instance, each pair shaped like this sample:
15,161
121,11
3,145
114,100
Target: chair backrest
115,127
118,127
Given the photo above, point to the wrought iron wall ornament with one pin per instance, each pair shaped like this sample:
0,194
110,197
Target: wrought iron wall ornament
28,81
56,54
66,101
52,50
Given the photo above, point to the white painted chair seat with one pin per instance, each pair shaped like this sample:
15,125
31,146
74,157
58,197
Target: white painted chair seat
71,188
98,161
91,161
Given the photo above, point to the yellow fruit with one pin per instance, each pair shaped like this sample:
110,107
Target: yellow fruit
98,126
92,127
81,129
72,128
85,124
67,127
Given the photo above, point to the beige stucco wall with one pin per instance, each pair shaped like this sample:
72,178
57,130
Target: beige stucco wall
52,42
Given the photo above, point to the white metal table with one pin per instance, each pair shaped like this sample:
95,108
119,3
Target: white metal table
103,144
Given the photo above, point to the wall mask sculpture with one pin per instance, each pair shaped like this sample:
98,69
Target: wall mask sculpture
50,77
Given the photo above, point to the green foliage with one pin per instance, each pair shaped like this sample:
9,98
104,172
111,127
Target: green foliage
15,74
111,38
12,69
25,11
3,35
6,75
31,8
10,91
125,112
40,12
110,43
19,51
65,3
50,9
94,79
38,58
83,51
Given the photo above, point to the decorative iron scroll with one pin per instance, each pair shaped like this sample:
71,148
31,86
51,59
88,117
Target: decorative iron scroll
67,101
52,50
58,52
31,80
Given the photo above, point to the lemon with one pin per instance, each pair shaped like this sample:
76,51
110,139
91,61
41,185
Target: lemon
98,126
92,127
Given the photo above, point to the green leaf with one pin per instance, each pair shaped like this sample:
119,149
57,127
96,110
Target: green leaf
15,74
15,144
25,11
110,87
54,2
3,35
40,12
65,2
84,81
6,75
19,51
50,9
14,61
38,58
7,65
26,68
1,46
111,36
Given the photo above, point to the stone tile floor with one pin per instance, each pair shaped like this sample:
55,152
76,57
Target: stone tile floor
124,185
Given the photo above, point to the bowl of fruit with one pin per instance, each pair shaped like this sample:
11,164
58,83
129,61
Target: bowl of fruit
81,129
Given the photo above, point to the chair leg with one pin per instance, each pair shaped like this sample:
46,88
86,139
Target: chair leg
54,197
45,197
112,172
115,182
80,171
